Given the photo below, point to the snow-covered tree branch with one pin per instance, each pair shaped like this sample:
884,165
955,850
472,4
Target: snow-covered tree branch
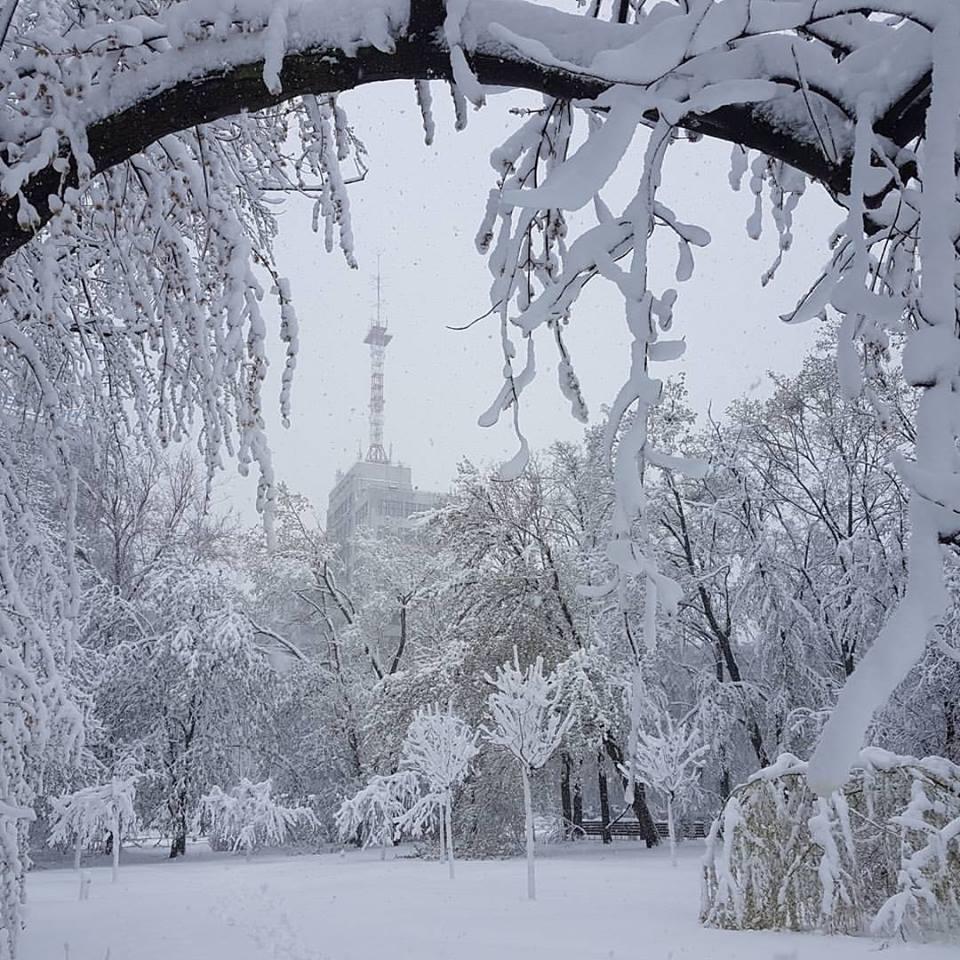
249,816
92,813
187,65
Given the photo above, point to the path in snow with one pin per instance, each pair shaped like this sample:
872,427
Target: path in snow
624,903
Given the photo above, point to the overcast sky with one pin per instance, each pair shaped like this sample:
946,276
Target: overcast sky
418,209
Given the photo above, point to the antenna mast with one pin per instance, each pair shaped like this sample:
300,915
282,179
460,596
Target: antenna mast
378,338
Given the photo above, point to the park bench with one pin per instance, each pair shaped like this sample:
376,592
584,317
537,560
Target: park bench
693,830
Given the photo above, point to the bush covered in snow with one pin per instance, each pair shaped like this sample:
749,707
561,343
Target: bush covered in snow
373,814
248,816
882,854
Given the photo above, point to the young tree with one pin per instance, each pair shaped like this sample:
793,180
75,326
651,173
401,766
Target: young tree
439,747
92,813
668,759
525,719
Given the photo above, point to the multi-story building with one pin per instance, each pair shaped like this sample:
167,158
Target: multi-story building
372,495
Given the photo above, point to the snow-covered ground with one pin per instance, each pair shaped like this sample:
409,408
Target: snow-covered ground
593,904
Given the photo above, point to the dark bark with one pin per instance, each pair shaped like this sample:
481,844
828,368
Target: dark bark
420,54
642,812
566,798
722,632
604,799
402,642
178,838
577,806
640,809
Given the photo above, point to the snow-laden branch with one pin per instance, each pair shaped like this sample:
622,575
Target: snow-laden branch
88,815
880,854
100,94
249,816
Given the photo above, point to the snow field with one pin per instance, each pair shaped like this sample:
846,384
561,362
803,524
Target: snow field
593,904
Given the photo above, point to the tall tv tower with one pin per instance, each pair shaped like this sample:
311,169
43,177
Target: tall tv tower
378,338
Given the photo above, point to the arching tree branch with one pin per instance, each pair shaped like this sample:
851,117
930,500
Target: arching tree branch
189,95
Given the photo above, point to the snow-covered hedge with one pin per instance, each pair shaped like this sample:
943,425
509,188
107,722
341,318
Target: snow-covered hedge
882,854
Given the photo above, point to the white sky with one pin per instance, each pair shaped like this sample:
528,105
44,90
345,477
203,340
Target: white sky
419,209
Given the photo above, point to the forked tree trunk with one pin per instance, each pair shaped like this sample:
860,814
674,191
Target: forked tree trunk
528,817
641,811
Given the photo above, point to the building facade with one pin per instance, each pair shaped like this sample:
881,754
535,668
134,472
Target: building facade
373,496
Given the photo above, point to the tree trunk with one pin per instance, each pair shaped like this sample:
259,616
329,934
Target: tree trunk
671,831
566,800
577,806
77,850
178,845
115,838
448,818
604,801
725,785
528,817
951,731
178,842
640,810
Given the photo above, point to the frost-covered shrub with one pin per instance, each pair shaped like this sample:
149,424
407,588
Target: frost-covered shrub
372,815
882,854
248,816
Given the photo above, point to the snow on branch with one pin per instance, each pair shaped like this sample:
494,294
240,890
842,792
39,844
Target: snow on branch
435,759
668,757
373,814
525,712
882,854
248,816
115,85
87,816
